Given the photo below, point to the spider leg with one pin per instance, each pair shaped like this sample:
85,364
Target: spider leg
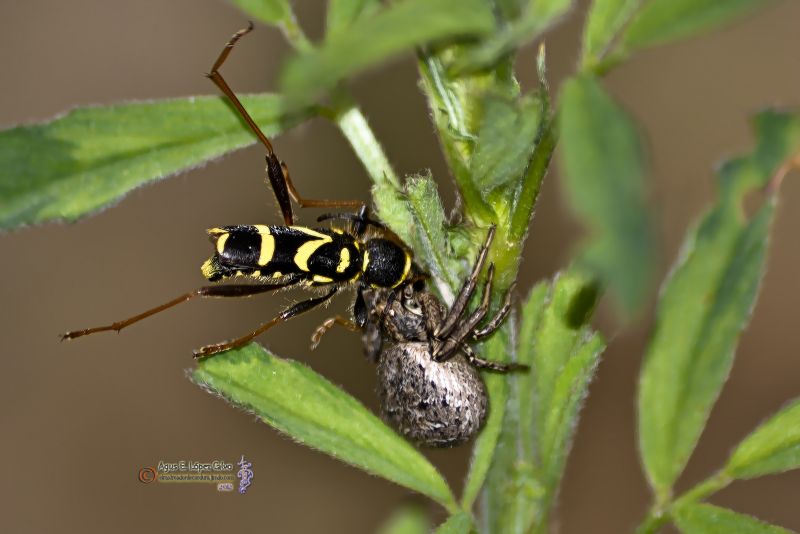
489,365
489,328
461,301
462,331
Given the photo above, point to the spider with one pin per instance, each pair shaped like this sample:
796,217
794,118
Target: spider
428,380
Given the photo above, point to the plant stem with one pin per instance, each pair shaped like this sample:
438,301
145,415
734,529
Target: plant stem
704,489
654,521
357,131
392,210
294,34
659,515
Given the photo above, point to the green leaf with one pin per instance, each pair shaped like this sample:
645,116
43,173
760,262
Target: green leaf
460,523
398,28
542,409
708,519
343,13
495,349
604,180
705,304
660,21
538,17
454,104
408,519
431,241
605,19
564,351
267,11
513,491
703,307
297,401
773,447
525,201
531,183
81,162
505,142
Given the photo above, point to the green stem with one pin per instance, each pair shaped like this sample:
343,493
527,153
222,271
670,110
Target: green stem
660,514
654,522
386,193
603,66
451,505
357,131
295,35
704,489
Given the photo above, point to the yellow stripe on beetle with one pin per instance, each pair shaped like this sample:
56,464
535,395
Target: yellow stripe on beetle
221,239
305,251
406,269
344,260
267,244
365,262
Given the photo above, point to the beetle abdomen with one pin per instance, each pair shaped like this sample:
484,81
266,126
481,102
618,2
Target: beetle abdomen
317,255
438,404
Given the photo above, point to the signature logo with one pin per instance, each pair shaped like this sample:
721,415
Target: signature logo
147,475
245,475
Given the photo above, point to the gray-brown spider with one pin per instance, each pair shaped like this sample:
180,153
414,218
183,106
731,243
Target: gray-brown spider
428,383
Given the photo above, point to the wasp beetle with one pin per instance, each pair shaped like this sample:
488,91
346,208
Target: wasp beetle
364,253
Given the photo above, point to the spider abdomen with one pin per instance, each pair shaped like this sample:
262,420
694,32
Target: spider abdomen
438,404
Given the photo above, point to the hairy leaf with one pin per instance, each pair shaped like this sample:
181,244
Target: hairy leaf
431,236
297,401
89,158
660,21
605,184
708,519
398,28
505,142
512,491
773,447
564,351
495,349
705,304
542,407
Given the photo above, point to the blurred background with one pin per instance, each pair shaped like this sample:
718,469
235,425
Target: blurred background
80,419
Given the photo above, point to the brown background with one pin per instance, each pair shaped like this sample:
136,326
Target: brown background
79,419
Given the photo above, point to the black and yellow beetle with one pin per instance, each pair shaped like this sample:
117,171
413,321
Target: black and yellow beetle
278,257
